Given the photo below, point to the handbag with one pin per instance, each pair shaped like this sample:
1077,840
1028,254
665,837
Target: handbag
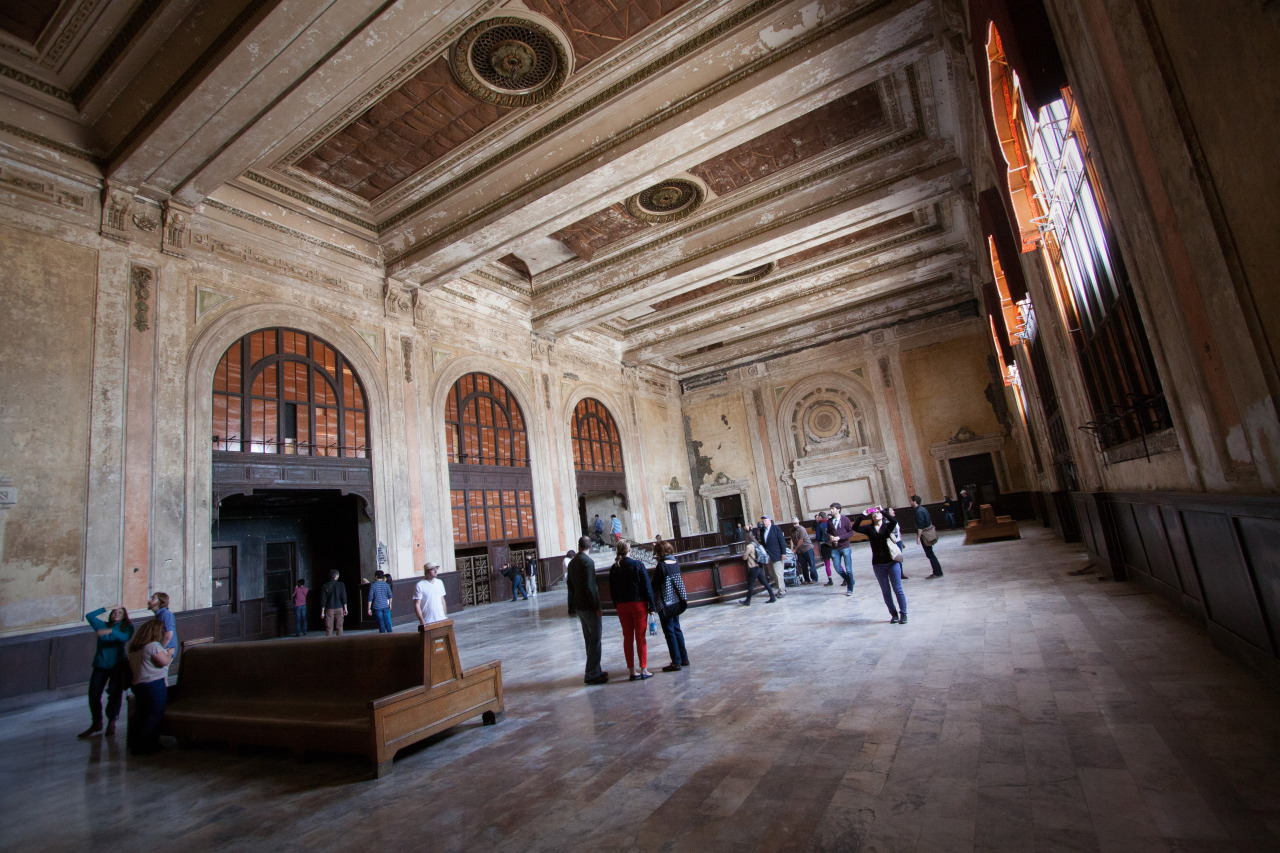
929,536
894,551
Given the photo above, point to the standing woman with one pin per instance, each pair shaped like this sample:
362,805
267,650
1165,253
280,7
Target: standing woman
110,666
633,598
879,530
824,543
755,568
149,660
673,601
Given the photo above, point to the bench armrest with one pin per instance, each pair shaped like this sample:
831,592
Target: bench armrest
384,701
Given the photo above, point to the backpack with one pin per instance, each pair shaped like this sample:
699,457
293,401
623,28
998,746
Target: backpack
762,556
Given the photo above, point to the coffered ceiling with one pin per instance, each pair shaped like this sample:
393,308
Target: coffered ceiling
701,182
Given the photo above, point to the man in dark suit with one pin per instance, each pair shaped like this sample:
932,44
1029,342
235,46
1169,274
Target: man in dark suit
584,600
775,542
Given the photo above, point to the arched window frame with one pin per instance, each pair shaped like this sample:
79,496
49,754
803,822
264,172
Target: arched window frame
494,414
305,383
597,444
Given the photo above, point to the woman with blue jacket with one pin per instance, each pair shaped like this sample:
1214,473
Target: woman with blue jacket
110,666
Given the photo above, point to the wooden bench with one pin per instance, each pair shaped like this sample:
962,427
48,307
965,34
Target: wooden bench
370,694
991,526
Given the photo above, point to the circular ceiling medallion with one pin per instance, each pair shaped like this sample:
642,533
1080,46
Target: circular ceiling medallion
667,201
511,62
825,420
755,273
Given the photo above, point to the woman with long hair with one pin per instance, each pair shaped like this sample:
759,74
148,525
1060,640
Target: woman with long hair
879,530
755,568
672,601
110,666
633,598
149,660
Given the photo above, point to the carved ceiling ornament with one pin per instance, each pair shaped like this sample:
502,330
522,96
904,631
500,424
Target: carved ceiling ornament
667,201
753,274
397,299
510,62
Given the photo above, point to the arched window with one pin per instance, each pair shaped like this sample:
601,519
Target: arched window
596,445
285,391
484,424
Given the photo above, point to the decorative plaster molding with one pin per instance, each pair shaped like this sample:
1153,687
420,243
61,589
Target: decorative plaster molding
41,188
397,300
306,238
141,278
406,351
439,357
250,255
177,229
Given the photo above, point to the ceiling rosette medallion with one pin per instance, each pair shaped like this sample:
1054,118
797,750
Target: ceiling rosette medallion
666,202
511,62
754,274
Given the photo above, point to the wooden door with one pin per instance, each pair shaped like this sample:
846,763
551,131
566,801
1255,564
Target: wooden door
473,570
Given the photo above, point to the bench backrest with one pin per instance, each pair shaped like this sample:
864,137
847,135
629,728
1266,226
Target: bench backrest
340,671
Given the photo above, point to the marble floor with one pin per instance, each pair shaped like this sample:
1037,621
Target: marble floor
1022,708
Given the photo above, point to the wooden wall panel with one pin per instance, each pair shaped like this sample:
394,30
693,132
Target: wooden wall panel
1181,552
1260,541
1228,589
1155,542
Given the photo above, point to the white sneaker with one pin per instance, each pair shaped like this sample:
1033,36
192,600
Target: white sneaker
848,592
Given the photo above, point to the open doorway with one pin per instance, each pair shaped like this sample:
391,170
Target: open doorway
729,514
272,538
978,474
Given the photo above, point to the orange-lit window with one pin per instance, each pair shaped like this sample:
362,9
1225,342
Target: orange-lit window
270,396
594,435
484,425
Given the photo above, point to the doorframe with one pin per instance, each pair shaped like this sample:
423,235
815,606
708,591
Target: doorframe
966,443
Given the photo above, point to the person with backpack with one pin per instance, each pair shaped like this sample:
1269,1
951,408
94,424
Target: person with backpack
672,600
757,558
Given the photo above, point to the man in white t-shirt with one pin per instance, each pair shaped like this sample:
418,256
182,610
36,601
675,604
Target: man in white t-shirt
428,597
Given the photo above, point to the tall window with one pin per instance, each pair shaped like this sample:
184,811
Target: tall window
1060,211
491,515
596,445
285,391
484,424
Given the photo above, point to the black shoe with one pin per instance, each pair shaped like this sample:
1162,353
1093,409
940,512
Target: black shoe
602,678
91,731
931,577
894,620
904,577
903,620
830,582
746,604
671,667
772,600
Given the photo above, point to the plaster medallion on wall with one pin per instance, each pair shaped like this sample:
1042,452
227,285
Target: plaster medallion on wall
824,421
145,222
754,274
667,201
509,61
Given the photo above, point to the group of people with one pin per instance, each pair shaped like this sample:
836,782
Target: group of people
615,530
637,600
138,659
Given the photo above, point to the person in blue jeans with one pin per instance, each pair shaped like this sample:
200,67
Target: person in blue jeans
879,530
380,602
300,608
841,529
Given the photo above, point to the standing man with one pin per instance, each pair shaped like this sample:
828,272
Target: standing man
158,604
803,546
775,542
300,608
615,527
926,534
841,530
584,601
597,527
966,503
380,602
949,511
333,600
428,598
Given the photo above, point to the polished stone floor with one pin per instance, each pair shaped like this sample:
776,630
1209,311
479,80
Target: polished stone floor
1022,708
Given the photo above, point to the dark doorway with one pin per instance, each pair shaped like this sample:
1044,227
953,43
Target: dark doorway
729,511
582,515
674,508
282,535
224,576
978,474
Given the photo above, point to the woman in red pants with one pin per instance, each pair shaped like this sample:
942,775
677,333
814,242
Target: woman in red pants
633,597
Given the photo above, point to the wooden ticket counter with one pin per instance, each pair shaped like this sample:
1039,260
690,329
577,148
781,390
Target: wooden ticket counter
711,576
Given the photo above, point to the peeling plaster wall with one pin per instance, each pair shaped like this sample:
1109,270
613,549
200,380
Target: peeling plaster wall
662,436
46,361
720,423
945,384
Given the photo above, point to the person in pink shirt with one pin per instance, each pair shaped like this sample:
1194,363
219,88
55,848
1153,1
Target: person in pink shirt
300,608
